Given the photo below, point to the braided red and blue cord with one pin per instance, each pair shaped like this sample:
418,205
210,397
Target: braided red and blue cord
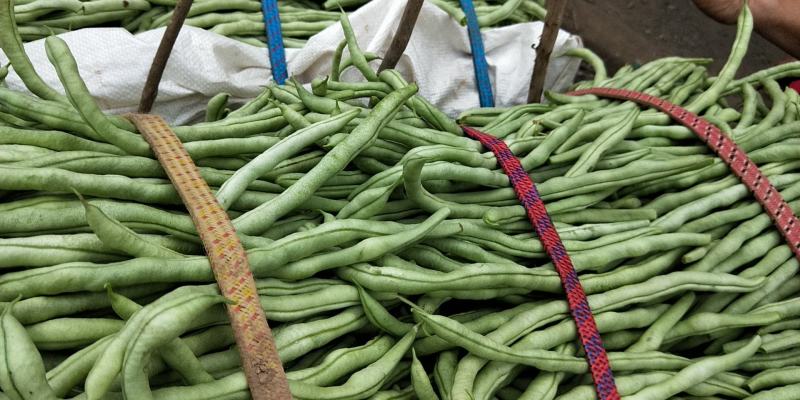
576,297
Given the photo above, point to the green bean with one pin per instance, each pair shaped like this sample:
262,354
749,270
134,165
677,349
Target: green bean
433,344
265,215
350,61
70,333
355,52
783,273
51,114
38,309
671,201
632,384
637,272
792,109
707,323
69,373
144,20
588,132
749,96
158,328
111,362
343,240
364,251
774,116
556,138
229,146
732,241
455,283
230,387
295,118
12,47
403,394
551,189
22,373
604,142
175,353
774,378
425,109
720,198
79,96
654,288
786,290
336,60
788,392
361,384
231,129
792,323
339,363
593,215
592,59
531,249
380,317
54,140
443,372
655,334
771,343
558,335
674,132
47,250
589,260
122,187
760,362
695,80
237,184
670,80
420,380
297,306
544,360
117,236
303,337
467,250
698,372
545,384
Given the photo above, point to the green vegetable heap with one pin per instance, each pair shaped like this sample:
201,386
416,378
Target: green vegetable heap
391,255
239,19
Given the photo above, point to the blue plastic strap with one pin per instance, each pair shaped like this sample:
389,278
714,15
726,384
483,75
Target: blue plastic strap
478,55
277,54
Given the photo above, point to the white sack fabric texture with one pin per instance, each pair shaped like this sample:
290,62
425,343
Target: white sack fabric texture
114,63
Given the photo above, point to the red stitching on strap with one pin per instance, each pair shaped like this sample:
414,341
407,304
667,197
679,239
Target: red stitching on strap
576,297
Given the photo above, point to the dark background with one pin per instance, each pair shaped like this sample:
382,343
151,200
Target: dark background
636,31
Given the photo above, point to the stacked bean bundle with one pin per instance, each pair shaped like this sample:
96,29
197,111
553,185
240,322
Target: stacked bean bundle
238,19
391,255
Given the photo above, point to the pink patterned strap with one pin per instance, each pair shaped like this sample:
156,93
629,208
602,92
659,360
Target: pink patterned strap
576,297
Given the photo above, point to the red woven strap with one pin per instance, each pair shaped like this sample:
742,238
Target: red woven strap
795,85
576,297
737,160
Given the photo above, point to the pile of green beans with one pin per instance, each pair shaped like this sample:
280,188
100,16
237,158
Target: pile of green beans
391,255
239,19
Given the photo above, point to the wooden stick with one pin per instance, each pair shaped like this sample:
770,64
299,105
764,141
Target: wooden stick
401,35
150,90
552,23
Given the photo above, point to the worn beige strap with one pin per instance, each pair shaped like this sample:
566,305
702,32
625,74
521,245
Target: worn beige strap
260,361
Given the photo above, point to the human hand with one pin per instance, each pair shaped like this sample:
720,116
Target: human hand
776,20
724,11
